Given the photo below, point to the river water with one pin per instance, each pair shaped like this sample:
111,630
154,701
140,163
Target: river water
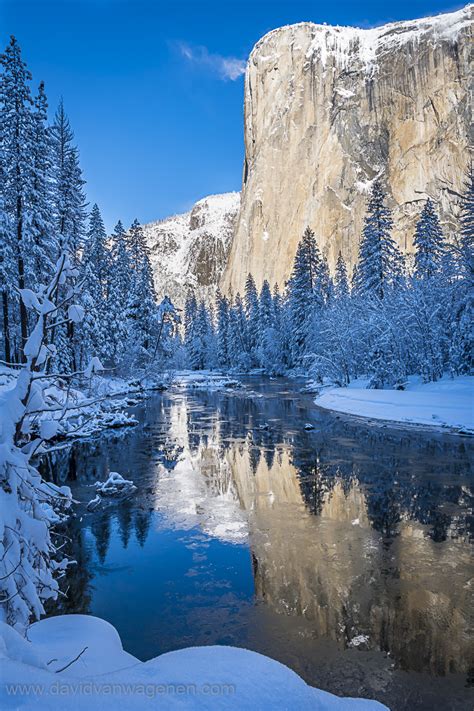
344,551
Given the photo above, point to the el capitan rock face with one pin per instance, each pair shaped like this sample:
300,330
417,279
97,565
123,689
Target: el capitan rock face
327,110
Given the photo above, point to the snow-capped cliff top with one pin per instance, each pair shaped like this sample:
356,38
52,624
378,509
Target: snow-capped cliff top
188,250
365,44
219,203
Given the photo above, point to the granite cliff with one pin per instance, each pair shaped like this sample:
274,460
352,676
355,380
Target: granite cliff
329,109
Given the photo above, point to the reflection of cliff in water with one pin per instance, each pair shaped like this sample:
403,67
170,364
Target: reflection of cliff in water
356,532
352,535
337,569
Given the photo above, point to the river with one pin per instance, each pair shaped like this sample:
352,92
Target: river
343,551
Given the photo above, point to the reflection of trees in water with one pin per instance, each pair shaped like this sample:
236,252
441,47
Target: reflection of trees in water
344,572
141,524
101,528
384,575
124,518
403,475
76,583
127,518
403,479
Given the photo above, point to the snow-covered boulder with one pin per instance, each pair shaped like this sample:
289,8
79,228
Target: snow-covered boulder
115,485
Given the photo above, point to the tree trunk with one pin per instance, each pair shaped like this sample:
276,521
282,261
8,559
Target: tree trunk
21,279
6,327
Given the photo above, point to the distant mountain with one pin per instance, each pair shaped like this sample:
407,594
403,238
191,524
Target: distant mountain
191,250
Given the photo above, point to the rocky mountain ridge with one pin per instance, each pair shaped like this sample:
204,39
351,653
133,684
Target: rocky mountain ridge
189,251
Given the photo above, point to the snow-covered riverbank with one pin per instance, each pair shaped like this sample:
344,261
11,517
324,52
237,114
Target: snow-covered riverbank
76,662
447,404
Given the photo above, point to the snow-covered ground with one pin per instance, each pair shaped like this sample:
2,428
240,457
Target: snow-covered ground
448,403
41,674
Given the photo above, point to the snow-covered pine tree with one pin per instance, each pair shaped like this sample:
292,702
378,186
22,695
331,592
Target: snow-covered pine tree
96,252
69,197
142,307
17,156
69,207
7,271
324,283
222,330
167,339
281,354
305,292
380,261
266,314
205,334
96,273
429,243
252,314
45,248
341,282
462,309
269,345
466,235
191,339
118,294
239,354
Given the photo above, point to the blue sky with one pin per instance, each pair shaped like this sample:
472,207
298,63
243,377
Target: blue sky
154,90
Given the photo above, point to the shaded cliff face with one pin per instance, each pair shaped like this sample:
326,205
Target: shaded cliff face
191,250
327,110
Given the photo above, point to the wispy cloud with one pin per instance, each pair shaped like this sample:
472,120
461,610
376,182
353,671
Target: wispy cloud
225,67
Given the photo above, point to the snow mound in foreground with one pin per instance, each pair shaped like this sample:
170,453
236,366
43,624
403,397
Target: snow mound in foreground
104,676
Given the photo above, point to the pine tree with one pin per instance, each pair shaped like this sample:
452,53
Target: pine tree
206,337
118,294
96,253
429,243
282,332
96,272
341,282
69,198
142,303
168,340
462,309
17,155
466,240
222,309
191,340
239,354
69,214
252,314
305,292
380,262
266,313
43,227
7,270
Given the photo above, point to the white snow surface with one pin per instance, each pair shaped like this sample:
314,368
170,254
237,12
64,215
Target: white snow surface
348,44
448,403
106,677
